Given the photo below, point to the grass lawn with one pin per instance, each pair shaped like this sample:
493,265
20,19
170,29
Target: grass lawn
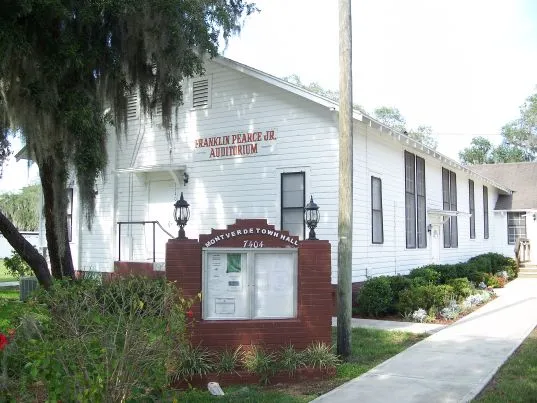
516,381
4,275
370,347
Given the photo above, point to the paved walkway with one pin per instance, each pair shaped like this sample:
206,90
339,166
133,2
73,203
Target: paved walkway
392,325
454,364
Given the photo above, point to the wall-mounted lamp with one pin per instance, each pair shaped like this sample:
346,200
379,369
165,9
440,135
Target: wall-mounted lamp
429,228
185,178
181,214
534,216
311,214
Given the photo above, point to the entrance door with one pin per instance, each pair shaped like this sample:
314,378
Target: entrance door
160,208
435,242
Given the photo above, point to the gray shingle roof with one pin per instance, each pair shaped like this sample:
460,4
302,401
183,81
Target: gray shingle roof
521,177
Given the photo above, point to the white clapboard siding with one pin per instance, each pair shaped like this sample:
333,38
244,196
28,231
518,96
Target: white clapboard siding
222,190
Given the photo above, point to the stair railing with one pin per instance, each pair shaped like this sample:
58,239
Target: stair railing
522,250
153,223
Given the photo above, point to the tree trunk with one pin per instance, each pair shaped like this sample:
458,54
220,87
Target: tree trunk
52,183
28,253
344,293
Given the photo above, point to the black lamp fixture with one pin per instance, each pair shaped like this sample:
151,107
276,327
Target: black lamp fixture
311,215
181,214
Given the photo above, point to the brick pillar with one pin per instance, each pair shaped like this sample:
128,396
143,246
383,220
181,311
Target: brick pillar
183,265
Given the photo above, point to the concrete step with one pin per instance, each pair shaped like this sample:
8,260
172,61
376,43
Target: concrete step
527,274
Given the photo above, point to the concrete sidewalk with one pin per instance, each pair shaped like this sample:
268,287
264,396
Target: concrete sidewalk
392,325
454,364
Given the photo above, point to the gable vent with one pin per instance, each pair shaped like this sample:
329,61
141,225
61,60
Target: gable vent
132,107
200,93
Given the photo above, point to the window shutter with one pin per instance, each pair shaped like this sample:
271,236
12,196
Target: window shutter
200,93
132,107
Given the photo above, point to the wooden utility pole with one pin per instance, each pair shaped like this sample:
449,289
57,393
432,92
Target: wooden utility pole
344,261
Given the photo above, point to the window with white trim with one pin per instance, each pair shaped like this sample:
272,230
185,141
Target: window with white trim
377,228
471,203
516,226
449,199
292,203
415,202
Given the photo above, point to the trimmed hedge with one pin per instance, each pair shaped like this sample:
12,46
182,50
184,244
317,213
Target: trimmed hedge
432,286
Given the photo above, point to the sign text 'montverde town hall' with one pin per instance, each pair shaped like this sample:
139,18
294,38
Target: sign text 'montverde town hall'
235,144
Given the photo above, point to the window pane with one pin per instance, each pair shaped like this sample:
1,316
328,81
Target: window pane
453,191
516,226
293,221
409,173
293,198
422,224
410,221
420,176
377,227
454,232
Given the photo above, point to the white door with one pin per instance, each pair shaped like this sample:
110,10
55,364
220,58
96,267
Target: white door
160,208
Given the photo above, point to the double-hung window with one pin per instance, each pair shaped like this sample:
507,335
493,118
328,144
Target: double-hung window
449,199
516,226
415,214
471,202
377,230
485,212
292,203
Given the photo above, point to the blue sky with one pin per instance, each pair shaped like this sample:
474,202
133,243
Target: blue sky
461,66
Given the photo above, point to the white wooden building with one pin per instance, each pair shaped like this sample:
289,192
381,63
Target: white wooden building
249,145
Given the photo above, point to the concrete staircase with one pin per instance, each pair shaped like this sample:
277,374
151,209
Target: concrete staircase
528,270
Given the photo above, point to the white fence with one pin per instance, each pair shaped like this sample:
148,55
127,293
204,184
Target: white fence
6,249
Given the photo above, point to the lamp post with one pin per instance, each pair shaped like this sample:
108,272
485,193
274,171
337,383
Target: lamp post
181,214
311,215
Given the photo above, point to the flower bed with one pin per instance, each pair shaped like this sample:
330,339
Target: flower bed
245,377
435,293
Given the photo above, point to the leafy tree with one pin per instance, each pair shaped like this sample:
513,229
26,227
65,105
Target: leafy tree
22,208
393,118
63,62
519,142
479,152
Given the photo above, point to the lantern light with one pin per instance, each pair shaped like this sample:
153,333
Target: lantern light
311,215
181,214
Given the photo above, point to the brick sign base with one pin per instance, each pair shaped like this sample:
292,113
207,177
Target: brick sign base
314,299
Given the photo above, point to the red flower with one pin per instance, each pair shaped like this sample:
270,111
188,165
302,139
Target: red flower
3,341
189,313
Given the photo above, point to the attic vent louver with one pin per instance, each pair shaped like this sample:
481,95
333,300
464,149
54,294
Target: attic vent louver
132,107
200,93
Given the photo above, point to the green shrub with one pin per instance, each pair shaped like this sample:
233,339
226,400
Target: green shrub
111,341
258,361
425,297
397,284
462,287
190,361
425,275
481,263
228,361
375,297
494,281
289,359
17,267
320,355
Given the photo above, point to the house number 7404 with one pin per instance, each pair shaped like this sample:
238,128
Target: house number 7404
253,244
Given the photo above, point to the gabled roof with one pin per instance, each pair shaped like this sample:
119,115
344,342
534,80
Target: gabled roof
357,115
521,177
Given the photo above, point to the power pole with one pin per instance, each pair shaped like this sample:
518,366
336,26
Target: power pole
344,293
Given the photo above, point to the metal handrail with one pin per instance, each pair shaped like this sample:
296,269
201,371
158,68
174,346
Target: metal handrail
120,223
